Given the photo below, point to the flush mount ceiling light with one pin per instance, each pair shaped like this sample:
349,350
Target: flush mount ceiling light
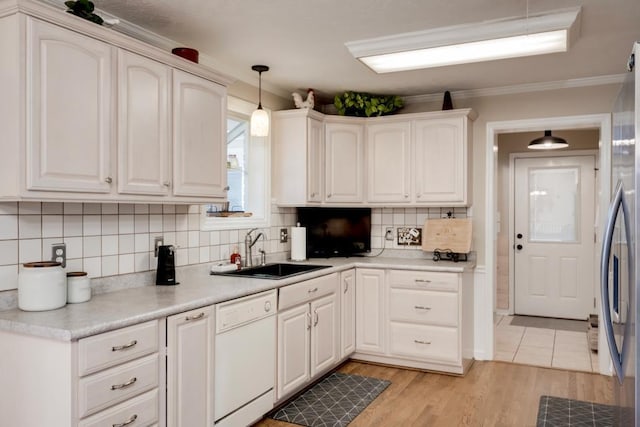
260,118
462,44
548,142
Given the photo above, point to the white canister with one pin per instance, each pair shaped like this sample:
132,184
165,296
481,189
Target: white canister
42,286
78,287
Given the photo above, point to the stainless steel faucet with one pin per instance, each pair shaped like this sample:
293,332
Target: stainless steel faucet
248,245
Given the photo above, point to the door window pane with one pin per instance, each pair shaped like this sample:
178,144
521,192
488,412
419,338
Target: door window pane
554,200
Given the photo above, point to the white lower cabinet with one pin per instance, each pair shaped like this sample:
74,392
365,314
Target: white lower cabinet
370,311
308,332
347,313
190,349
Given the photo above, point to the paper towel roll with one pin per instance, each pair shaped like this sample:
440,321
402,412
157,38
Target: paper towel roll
298,243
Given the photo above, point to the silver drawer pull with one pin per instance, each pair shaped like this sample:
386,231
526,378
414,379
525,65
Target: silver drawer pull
421,307
129,383
422,281
422,342
315,313
312,290
132,419
196,317
125,346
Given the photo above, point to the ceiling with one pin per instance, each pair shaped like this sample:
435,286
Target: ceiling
303,41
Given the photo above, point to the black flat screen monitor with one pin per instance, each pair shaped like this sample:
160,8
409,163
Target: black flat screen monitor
336,232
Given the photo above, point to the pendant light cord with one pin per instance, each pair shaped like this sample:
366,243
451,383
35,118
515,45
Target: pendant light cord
260,90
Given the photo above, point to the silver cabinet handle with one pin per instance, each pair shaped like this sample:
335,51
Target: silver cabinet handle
226,188
129,383
308,320
125,346
328,195
315,321
417,195
313,194
422,342
166,184
108,180
310,291
406,196
346,286
196,317
267,306
126,423
422,281
421,307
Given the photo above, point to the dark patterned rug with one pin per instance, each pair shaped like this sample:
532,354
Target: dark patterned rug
561,412
335,401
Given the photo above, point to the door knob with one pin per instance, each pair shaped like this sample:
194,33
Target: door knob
519,235
518,247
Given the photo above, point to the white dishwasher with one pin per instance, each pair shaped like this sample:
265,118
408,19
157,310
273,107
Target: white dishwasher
245,351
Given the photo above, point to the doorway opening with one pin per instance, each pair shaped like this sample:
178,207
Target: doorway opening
497,275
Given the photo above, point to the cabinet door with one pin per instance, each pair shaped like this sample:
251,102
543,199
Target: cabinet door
144,133
190,368
344,145
69,135
325,333
440,161
388,160
348,313
199,137
315,159
293,349
370,311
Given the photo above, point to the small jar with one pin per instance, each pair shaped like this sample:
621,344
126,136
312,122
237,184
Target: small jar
78,287
42,285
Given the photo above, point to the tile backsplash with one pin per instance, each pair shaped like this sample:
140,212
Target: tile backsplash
116,239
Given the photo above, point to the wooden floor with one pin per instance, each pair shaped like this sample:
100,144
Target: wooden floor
491,394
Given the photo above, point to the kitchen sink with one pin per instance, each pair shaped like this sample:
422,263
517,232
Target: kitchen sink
273,271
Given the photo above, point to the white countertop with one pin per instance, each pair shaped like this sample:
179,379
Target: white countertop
197,288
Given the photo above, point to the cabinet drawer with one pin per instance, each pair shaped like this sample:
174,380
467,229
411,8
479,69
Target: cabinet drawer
244,310
423,280
307,290
139,411
115,347
427,343
434,308
115,385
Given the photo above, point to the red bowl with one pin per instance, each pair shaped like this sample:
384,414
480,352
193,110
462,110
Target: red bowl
186,53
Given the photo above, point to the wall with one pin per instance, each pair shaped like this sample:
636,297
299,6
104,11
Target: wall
541,104
517,143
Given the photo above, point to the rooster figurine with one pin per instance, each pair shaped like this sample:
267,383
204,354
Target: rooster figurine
307,103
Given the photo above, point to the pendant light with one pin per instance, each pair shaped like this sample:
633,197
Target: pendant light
548,142
260,118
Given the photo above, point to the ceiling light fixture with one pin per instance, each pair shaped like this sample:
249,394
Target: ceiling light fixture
260,118
462,44
548,142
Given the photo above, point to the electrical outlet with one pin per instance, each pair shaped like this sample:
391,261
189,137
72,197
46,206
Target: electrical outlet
157,241
284,235
388,235
59,253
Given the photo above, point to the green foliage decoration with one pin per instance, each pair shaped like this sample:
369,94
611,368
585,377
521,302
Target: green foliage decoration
361,104
84,9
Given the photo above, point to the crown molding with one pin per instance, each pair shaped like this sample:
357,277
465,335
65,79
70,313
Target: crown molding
516,89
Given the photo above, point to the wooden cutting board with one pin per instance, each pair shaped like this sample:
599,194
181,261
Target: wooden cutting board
447,234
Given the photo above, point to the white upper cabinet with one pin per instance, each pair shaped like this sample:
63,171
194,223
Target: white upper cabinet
68,138
199,136
441,161
344,173
144,125
389,162
298,157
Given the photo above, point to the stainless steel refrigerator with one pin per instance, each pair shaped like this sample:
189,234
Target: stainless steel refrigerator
620,257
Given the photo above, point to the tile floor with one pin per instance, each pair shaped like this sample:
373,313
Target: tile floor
543,347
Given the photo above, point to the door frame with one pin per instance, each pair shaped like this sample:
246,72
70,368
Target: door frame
485,300
512,214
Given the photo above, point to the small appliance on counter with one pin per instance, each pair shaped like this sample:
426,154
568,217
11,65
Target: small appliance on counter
166,273
42,285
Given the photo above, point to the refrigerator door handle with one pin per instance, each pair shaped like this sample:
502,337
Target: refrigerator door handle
617,203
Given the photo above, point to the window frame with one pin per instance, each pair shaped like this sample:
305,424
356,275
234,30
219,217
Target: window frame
237,106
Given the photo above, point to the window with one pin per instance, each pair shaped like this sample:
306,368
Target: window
248,174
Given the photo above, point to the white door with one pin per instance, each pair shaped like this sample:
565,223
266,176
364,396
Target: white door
344,145
554,236
370,311
293,348
144,126
190,368
348,310
324,333
389,162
